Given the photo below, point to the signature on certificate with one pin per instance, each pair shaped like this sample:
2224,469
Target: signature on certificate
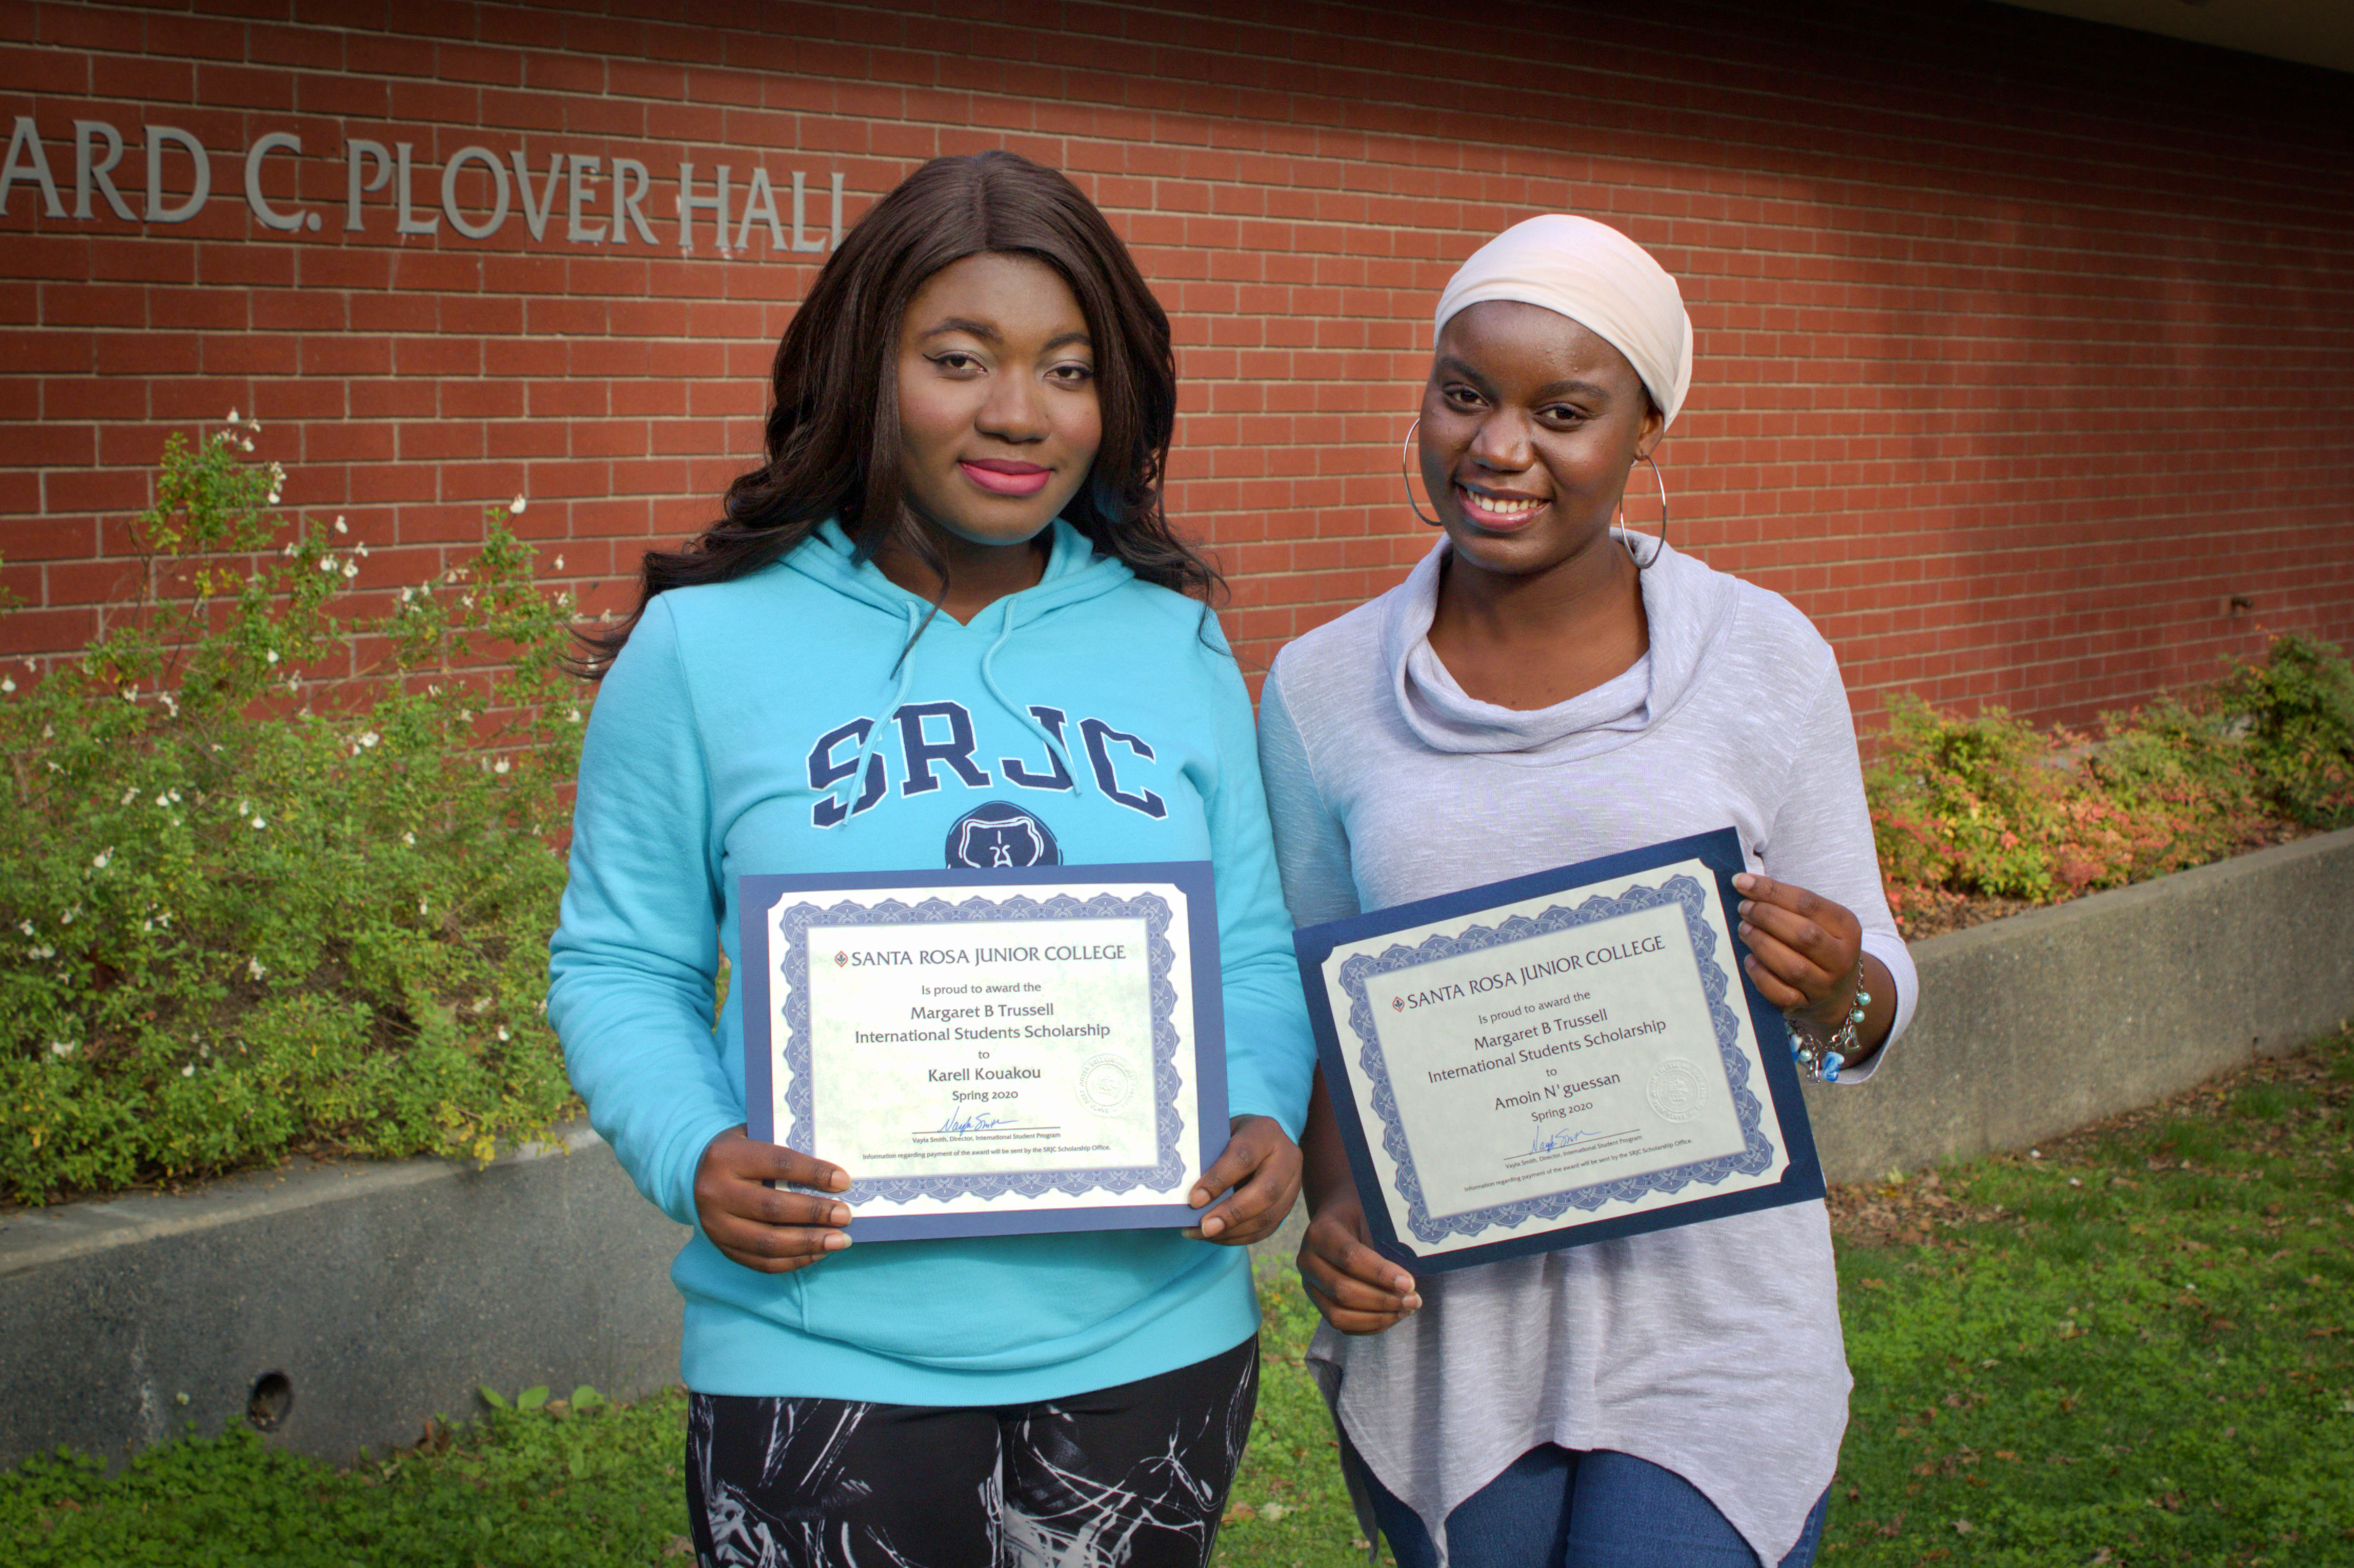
963,1120
1560,1138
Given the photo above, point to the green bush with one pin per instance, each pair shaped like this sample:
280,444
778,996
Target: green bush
1965,802
1987,807
2297,708
237,922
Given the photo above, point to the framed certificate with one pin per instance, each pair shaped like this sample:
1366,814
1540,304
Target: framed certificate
990,1052
1560,1059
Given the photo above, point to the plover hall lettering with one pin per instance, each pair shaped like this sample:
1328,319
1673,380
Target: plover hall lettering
481,191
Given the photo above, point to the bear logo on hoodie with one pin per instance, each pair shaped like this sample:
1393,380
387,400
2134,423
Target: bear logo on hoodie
1000,834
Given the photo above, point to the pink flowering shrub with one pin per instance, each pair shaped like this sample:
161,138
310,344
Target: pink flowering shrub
1987,807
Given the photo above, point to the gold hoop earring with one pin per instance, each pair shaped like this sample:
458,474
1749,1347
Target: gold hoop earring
1639,564
1405,473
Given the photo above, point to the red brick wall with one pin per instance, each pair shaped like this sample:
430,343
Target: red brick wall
2024,345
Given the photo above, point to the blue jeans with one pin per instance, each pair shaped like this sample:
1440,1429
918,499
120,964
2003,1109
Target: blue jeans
1555,1508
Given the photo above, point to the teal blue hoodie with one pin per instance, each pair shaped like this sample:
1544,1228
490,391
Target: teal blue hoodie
772,725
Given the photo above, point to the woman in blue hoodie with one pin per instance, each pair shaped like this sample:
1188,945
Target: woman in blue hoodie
946,622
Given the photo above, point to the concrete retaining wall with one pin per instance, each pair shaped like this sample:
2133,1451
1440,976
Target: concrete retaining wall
2034,1024
384,1293
387,1293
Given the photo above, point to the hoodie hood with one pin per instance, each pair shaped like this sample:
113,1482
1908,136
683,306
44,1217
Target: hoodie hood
1074,574
1690,609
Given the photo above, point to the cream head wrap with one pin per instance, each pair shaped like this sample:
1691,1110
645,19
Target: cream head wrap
1596,277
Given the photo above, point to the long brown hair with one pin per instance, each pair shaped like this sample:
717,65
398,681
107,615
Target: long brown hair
832,435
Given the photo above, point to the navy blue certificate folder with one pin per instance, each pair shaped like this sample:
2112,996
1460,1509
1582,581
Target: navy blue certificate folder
1559,1059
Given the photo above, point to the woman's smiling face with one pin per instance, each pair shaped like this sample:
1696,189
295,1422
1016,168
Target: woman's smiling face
999,422
1530,424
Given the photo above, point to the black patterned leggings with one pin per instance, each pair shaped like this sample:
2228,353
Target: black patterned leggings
1132,1477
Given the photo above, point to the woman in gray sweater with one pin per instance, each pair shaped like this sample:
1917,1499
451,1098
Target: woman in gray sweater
1546,689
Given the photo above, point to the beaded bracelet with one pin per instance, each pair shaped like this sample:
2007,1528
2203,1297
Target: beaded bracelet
1822,1059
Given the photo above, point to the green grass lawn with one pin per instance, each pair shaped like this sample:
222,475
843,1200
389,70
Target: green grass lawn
2132,1351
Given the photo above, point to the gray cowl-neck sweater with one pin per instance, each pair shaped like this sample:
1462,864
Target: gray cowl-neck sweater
1713,1350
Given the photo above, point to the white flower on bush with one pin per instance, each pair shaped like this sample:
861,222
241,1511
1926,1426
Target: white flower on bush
421,907
351,570
258,825
500,767
502,1032
369,738
62,1048
515,507
129,795
559,563
271,657
572,715
26,927
326,563
339,524
7,685
408,839
189,1070
102,858
256,967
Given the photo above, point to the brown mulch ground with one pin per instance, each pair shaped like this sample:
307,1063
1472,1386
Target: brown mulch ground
1933,914
1919,1208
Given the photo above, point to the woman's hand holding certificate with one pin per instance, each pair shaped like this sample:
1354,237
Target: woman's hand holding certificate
762,1226
1262,1166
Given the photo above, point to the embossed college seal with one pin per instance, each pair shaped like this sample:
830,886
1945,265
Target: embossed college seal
1106,1085
1676,1088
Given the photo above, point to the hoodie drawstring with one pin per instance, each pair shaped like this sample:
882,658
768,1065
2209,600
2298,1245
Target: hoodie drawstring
857,782
1056,748
1021,715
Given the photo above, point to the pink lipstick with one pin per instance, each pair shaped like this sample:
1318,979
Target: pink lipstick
1001,476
